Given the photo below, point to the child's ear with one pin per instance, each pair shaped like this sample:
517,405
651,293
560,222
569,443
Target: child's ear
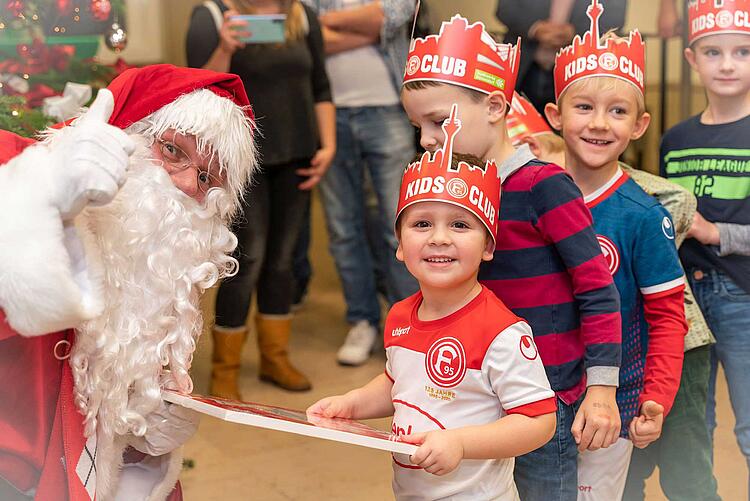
489,249
554,117
690,57
498,106
399,251
641,124
534,145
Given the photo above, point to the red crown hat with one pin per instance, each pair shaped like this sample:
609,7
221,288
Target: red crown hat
709,17
465,55
435,179
589,56
524,120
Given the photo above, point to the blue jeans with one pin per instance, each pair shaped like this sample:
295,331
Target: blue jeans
379,139
727,310
550,473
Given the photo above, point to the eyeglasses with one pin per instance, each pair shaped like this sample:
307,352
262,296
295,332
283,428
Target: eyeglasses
177,161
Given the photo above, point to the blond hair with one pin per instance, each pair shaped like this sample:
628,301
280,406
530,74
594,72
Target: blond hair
606,83
294,29
550,142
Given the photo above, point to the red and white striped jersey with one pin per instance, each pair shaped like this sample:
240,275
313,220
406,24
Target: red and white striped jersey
470,368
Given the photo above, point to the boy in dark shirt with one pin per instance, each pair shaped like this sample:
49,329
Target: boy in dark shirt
708,155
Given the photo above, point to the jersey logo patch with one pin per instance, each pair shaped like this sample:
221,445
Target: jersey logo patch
611,254
445,362
528,348
667,227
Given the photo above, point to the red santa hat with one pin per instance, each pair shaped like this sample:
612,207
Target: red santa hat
590,56
524,120
465,55
434,178
211,106
710,17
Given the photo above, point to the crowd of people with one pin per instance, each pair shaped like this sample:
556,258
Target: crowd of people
556,316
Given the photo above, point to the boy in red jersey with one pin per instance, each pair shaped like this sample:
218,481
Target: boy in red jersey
463,377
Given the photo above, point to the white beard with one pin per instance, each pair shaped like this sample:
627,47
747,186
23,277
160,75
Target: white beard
159,250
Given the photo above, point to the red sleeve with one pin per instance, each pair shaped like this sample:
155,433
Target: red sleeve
566,222
667,327
537,408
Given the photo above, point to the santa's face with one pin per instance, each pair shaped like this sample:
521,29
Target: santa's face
192,172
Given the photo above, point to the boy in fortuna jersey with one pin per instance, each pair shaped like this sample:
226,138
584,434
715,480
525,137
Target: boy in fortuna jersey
463,377
599,111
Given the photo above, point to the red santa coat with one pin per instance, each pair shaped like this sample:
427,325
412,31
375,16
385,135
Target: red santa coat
42,447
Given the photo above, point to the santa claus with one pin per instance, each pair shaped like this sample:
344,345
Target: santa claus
110,229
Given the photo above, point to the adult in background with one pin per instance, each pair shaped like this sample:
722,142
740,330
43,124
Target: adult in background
297,144
545,26
366,44
101,272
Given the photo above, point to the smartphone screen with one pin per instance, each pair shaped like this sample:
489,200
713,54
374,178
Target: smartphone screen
263,28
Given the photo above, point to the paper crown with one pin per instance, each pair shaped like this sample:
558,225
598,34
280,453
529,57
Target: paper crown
524,120
434,178
589,56
709,17
464,55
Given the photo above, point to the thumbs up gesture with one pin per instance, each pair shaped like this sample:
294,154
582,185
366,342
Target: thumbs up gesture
90,160
646,428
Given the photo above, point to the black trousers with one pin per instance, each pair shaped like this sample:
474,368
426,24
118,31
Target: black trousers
267,232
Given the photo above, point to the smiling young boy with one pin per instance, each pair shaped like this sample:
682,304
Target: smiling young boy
463,378
547,267
600,109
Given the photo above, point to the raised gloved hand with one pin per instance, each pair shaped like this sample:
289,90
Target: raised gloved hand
89,160
168,428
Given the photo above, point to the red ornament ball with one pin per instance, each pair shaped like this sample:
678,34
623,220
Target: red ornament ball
100,9
15,7
64,6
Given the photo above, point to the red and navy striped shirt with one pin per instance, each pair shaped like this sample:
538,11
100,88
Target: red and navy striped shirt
549,269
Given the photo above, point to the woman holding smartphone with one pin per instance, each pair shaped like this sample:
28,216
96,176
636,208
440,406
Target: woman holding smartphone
296,118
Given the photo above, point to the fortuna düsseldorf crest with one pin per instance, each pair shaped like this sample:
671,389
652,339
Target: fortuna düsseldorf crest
589,56
465,55
709,17
445,362
611,254
435,179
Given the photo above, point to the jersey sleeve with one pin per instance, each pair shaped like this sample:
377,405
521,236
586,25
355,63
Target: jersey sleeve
516,373
661,282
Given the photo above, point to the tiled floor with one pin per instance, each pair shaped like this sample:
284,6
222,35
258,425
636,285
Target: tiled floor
234,462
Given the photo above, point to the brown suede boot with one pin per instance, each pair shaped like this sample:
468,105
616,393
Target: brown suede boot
226,362
275,367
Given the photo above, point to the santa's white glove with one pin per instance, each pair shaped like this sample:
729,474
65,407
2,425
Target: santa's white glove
168,428
47,281
89,161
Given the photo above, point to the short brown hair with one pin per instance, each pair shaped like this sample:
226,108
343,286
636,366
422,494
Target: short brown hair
475,95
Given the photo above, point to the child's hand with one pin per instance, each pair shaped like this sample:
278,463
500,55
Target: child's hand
597,423
646,428
341,406
439,451
704,231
